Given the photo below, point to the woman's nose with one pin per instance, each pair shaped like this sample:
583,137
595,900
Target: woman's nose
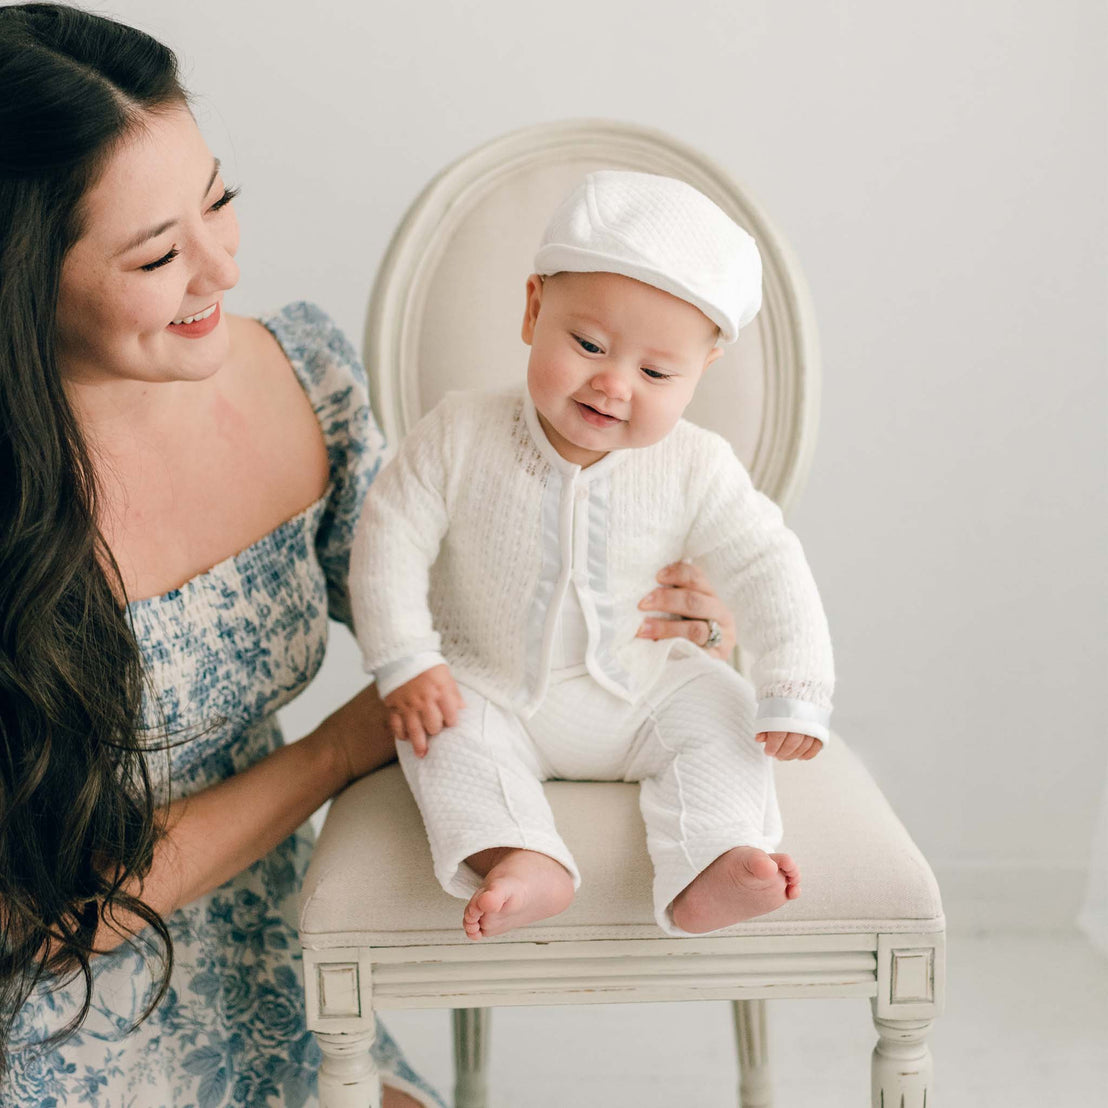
223,271
218,269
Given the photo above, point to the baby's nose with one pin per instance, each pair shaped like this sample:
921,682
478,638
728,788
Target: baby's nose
612,384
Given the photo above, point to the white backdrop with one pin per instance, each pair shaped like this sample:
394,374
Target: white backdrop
940,171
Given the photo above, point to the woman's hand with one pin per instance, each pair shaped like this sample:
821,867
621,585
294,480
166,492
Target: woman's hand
687,593
219,831
358,736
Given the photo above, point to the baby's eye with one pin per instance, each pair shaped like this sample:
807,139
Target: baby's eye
656,374
588,347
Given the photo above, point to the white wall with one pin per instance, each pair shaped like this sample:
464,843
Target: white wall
940,172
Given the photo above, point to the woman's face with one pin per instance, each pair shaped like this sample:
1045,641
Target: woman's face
158,249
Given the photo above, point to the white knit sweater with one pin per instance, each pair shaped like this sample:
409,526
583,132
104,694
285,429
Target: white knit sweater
472,535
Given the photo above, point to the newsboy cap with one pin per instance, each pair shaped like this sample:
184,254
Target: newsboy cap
660,231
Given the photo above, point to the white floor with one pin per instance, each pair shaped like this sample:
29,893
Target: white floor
1026,1026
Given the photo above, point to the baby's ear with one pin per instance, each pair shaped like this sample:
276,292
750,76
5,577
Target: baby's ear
531,307
713,354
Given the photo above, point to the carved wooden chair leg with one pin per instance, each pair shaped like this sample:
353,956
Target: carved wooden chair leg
911,987
901,1064
348,1077
755,1090
471,1050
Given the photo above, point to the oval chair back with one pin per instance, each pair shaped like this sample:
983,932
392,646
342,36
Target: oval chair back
448,301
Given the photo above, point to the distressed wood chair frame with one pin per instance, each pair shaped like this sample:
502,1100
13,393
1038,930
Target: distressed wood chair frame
351,972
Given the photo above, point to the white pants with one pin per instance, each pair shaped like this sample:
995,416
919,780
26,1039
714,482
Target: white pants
707,786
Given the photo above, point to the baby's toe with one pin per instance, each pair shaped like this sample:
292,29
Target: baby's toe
759,865
787,866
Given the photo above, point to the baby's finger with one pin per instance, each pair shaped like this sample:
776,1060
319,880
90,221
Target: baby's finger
414,730
813,750
397,731
791,743
774,739
802,749
431,718
451,704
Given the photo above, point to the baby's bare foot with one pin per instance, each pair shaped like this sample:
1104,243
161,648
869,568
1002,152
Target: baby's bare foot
741,884
522,888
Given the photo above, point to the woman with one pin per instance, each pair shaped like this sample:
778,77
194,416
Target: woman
178,490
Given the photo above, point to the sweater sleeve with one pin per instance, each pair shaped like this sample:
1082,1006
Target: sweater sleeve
740,539
395,544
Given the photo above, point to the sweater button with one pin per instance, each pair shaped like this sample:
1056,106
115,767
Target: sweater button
582,493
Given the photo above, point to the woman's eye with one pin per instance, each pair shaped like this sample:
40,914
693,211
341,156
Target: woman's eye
165,259
588,347
656,375
225,199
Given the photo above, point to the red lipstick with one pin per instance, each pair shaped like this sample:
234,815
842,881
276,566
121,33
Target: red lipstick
198,328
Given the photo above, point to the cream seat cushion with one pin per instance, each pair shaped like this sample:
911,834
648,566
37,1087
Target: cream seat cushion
860,871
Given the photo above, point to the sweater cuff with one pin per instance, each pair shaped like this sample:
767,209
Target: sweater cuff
780,713
391,676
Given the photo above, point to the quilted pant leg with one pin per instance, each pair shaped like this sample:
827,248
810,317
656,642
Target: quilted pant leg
480,786
706,785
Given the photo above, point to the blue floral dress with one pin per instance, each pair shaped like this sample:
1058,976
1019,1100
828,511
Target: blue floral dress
224,652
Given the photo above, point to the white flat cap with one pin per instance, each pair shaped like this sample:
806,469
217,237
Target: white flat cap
660,231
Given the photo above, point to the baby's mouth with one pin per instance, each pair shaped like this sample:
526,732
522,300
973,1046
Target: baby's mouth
595,416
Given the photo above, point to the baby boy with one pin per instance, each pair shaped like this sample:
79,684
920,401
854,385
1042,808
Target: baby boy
501,555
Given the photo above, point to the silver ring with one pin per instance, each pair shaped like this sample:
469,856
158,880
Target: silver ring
715,635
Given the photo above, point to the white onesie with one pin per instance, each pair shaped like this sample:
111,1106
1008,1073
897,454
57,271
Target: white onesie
482,547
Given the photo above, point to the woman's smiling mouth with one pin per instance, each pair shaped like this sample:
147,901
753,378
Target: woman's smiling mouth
198,325
196,318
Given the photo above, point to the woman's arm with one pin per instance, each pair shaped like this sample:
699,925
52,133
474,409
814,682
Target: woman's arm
219,831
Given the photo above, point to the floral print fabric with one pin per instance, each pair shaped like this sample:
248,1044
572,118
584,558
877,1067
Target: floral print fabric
223,653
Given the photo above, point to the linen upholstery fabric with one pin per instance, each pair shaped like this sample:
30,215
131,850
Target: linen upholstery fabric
660,231
861,870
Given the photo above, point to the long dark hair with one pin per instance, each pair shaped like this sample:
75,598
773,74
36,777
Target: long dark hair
78,820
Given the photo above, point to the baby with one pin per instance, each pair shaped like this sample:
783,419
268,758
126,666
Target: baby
500,559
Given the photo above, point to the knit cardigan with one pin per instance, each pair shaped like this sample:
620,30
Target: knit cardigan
471,536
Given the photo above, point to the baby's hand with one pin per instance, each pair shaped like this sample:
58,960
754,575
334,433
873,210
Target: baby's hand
788,746
424,705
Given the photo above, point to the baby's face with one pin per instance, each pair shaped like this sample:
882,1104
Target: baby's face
614,362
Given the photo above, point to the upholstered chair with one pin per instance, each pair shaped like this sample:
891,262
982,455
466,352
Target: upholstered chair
377,931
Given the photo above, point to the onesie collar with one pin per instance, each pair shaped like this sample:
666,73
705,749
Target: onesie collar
562,465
